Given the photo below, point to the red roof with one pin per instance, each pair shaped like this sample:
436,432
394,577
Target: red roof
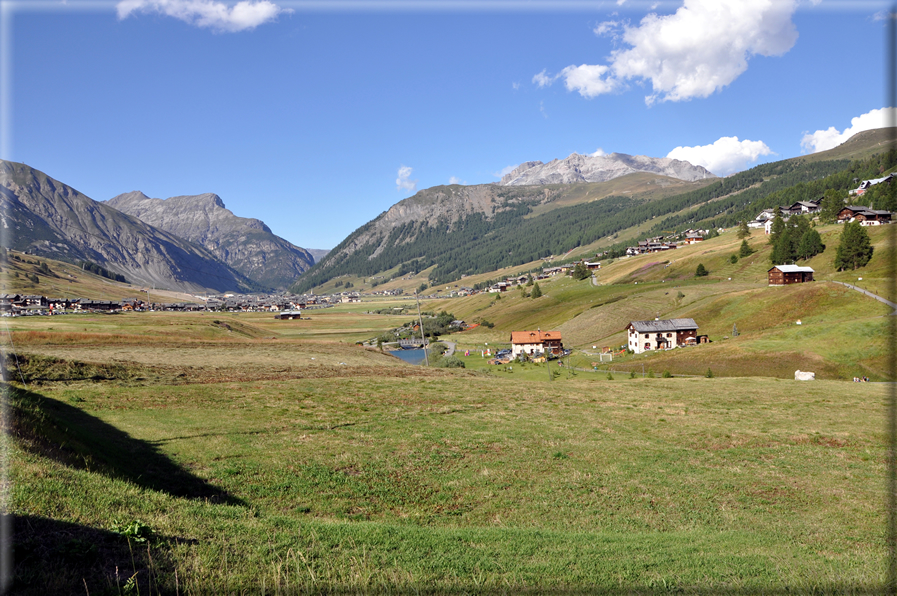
534,337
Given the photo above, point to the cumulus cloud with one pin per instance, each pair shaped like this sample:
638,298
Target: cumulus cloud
726,156
455,180
598,153
698,50
831,137
404,182
247,14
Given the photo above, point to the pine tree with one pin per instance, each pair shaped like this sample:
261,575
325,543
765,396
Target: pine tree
832,203
810,245
745,250
536,291
743,230
701,271
778,226
855,248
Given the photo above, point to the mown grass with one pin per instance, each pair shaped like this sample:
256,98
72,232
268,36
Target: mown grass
452,483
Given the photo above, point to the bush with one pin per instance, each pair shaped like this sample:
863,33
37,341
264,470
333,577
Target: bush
450,362
733,259
709,374
632,374
610,377
701,271
667,375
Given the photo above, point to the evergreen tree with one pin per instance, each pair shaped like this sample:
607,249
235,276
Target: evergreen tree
745,250
778,226
855,248
733,259
832,203
536,291
529,279
743,230
580,271
701,271
810,245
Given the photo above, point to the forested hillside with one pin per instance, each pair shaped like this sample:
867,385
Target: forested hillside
478,243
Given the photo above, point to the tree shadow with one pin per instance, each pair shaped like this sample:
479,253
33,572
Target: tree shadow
57,557
74,438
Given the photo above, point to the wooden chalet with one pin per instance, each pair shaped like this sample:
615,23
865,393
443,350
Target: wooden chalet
536,343
783,275
659,334
864,214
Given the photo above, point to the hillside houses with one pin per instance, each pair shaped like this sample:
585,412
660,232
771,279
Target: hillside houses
865,215
867,184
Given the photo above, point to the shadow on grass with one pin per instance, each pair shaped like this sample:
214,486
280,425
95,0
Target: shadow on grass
56,557
75,438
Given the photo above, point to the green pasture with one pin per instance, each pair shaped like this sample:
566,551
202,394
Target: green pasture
456,482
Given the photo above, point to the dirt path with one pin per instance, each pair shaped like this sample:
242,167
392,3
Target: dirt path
870,294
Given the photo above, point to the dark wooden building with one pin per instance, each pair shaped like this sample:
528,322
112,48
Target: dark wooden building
783,275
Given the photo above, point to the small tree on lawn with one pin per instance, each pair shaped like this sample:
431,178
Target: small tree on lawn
810,244
580,271
855,249
537,291
745,250
743,230
701,271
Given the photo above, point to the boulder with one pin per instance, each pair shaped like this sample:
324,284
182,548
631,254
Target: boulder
804,376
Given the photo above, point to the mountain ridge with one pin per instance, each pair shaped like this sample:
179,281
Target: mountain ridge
577,168
43,216
246,244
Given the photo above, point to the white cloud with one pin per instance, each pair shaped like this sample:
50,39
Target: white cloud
455,180
404,182
515,86
543,80
598,153
542,109
505,170
589,79
246,14
698,50
607,28
726,156
830,138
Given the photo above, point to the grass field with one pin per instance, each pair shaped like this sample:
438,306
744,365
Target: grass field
228,461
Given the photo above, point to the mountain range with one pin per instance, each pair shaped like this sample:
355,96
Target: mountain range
245,244
578,168
43,216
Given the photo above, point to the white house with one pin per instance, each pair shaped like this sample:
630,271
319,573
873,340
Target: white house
661,335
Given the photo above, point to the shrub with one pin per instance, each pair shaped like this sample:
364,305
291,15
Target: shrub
733,259
632,374
701,271
450,362
610,377
709,374
667,375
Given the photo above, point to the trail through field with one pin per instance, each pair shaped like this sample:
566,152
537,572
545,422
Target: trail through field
870,294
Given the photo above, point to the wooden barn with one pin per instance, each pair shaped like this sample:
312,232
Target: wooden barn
783,275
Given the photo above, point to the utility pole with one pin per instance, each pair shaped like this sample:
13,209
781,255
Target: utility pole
420,321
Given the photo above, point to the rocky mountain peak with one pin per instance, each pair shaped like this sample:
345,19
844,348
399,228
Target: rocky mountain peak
600,168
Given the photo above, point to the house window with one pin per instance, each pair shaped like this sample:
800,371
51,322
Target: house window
669,335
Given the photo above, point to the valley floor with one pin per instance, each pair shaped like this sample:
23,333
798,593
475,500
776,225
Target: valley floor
288,466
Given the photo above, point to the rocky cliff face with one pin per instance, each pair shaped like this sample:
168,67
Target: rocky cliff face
46,217
600,168
246,244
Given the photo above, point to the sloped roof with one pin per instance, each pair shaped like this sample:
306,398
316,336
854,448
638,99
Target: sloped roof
534,337
664,325
792,269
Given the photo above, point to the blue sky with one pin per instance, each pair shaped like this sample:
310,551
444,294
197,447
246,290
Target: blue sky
317,116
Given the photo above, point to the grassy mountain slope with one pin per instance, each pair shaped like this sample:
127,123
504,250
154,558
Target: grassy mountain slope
842,333
462,231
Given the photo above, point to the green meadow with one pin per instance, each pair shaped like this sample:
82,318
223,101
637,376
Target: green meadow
193,453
